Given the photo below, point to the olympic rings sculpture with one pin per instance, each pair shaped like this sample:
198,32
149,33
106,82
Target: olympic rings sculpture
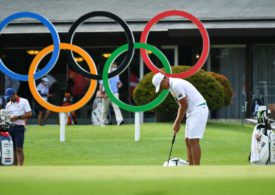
129,48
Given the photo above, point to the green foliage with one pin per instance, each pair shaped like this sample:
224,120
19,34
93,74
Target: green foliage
228,91
208,86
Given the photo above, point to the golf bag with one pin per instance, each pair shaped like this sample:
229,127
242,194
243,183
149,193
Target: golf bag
263,140
97,112
6,144
6,149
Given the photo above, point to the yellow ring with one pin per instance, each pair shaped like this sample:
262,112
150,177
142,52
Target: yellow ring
36,95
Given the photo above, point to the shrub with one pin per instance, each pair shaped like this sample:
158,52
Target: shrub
208,86
227,89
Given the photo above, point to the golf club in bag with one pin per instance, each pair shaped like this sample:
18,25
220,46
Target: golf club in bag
174,161
6,144
263,140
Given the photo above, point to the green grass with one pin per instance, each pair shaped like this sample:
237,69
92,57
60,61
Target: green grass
223,144
96,160
145,180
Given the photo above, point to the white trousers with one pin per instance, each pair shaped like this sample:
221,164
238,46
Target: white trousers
105,108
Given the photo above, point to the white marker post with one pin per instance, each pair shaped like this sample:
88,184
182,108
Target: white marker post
62,122
137,126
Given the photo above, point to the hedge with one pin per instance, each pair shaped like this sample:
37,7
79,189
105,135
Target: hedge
210,88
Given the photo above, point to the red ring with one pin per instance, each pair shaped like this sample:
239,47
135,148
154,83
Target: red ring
205,42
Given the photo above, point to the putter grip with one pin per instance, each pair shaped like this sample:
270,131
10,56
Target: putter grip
174,137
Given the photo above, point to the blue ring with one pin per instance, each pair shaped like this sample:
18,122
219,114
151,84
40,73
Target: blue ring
56,43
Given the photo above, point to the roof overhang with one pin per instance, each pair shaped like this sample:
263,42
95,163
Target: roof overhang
175,28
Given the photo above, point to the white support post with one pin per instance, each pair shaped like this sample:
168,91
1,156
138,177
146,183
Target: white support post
141,74
137,126
62,122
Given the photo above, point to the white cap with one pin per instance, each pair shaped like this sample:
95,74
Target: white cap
157,78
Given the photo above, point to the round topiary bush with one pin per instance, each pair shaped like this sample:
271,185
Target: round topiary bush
227,89
208,86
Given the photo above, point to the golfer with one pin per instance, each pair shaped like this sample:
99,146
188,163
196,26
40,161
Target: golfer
20,110
115,84
192,104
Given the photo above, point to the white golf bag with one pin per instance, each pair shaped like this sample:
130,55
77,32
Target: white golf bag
6,144
6,149
96,114
263,140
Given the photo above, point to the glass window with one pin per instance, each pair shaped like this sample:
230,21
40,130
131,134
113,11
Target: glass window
264,72
230,61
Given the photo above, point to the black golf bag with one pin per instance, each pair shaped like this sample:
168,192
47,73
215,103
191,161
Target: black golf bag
263,140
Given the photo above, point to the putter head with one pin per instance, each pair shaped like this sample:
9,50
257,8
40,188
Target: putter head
175,162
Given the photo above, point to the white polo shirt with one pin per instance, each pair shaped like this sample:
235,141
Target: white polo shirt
43,91
18,108
180,88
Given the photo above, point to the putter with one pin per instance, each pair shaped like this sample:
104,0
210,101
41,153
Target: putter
173,141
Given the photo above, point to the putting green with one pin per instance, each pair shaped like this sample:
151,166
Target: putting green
96,160
136,180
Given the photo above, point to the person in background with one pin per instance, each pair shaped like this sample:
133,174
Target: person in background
115,84
257,100
67,101
20,111
2,102
43,90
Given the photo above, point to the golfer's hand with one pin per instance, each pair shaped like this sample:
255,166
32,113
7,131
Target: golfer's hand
14,118
176,127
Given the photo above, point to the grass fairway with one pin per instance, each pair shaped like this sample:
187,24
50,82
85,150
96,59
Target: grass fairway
97,160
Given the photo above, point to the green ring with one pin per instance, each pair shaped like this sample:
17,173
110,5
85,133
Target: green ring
106,84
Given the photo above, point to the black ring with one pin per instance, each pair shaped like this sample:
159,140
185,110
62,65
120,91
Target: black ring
130,39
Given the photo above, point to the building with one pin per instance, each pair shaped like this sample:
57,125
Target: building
241,35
